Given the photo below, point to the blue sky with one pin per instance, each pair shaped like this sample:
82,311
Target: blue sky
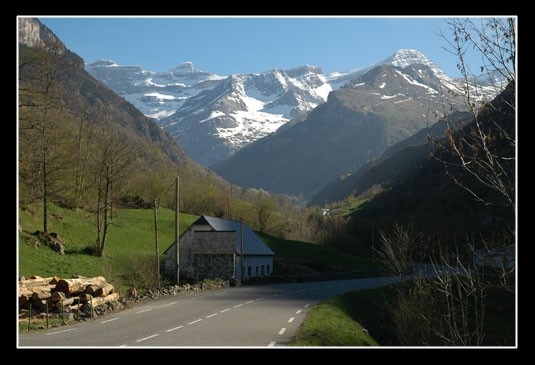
228,45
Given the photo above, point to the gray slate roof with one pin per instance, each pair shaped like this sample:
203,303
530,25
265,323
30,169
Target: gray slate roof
252,244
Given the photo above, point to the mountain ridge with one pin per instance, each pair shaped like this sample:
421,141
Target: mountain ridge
358,122
252,105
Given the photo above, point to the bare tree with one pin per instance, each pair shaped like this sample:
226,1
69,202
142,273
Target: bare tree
484,148
42,69
113,157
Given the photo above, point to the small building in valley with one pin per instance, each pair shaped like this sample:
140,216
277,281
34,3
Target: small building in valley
211,248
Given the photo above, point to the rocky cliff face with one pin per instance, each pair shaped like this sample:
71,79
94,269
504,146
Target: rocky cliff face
32,32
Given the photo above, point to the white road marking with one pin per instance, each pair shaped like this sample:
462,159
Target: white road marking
291,320
237,305
249,302
144,310
198,320
224,310
53,333
173,329
146,338
211,315
282,331
109,320
271,344
165,305
306,305
299,311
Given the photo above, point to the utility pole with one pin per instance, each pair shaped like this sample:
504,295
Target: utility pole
157,245
241,260
176,234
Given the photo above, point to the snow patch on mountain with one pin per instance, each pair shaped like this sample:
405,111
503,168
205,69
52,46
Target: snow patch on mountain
234,111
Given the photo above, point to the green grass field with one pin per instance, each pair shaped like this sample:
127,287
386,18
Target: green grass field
319,253
131,233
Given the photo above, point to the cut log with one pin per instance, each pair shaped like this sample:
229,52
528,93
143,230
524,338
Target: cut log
58,296
91,289
84,297
25,291
38,281
66,302
24,300
108,298
41,295
72,286
104,291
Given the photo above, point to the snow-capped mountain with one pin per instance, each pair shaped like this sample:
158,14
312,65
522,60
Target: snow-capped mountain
156,94
213,116
243,108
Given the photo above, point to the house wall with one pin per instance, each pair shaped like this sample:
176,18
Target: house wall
254,266
199,253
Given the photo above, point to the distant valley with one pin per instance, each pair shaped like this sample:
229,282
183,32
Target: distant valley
292,131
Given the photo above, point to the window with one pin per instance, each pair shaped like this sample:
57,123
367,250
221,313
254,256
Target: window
248,270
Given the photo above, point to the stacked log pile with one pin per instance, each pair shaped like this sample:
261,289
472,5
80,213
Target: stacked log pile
71,294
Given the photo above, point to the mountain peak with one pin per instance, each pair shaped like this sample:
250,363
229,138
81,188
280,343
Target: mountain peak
185,67
102,62
405,57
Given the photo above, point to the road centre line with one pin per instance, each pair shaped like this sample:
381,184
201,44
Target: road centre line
291,320
198,320
109,320
299,311
249,302
271,344
282,331
165,305
211,315
225,310
173,329
144,310
146,338
238,305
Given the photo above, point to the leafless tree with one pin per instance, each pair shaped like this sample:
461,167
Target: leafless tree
42,69
113,157
484,148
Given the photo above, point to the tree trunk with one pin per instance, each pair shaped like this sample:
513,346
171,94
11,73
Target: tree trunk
71,286
104,291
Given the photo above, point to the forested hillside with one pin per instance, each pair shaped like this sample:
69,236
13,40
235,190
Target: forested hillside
84,147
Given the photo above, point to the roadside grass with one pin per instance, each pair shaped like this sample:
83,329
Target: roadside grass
338,321
357,318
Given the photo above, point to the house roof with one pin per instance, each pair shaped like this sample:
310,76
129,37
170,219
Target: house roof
252,244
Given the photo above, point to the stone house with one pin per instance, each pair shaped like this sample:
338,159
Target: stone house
211,248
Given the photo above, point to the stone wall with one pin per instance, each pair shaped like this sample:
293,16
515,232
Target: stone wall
200,243
207,266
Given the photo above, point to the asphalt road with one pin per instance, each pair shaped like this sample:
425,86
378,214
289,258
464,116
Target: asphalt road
247,316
